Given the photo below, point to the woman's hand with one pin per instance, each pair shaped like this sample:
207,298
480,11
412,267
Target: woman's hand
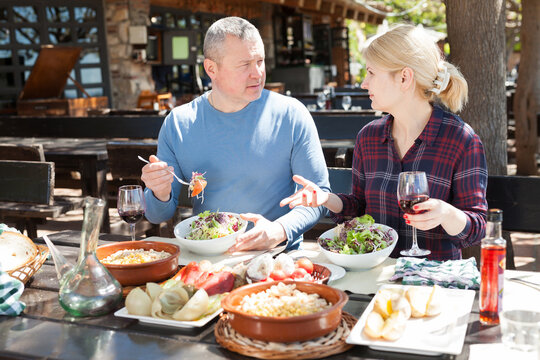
435,212
310,195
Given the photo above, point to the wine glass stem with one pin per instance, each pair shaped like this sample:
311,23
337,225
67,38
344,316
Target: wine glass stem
132,229
414,246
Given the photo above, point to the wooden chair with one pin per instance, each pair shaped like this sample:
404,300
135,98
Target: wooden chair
519,199
26,195
22,152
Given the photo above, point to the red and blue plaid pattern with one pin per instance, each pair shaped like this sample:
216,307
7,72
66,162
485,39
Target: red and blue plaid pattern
451,155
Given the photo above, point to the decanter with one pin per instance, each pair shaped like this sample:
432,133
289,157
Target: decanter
89,289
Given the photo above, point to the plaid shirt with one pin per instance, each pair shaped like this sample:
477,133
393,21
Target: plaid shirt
451,155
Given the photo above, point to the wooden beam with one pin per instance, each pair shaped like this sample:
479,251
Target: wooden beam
328,6
352,14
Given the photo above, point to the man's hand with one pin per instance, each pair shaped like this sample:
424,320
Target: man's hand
264,235
309,195
157,178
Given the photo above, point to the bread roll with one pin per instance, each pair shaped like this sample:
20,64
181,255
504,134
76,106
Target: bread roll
383,304
15,250
418,297
394,326
434,306
374,325
425,301
401,304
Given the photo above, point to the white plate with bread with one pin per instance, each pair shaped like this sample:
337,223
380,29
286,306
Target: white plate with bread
426,320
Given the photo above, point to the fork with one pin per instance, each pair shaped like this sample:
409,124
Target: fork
173,174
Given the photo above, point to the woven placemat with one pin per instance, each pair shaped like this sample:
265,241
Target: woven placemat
25,272
330,344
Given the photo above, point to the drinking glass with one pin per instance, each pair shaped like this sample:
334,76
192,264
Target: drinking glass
521,329
131,205
412,189
346,102
321,100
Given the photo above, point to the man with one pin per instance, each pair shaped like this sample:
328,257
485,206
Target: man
247,140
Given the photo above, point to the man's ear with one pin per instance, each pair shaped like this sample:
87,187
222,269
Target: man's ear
210,67
407,78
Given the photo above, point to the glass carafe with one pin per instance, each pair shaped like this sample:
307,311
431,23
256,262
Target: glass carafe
89,289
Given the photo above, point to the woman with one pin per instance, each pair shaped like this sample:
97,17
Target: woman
407,77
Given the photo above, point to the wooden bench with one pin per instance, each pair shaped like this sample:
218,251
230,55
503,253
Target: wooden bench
26,195
22,152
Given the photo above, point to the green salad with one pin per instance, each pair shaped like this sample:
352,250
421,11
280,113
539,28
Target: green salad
213,225
358,236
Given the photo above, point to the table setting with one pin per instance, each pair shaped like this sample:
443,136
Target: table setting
361,289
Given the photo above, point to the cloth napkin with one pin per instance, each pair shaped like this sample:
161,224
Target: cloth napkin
460,274
11,290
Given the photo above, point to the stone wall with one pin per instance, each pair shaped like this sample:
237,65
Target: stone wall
129,76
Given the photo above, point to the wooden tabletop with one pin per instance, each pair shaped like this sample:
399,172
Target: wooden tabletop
45,330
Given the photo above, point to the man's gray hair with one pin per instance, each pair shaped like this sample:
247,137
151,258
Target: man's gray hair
217,33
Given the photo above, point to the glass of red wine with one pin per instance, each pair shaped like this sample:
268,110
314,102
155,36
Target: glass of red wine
131,205
412,189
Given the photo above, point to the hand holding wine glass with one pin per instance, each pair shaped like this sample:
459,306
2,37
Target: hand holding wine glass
131,205
412,189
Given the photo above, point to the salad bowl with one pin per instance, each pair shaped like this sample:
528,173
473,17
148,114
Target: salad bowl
359,261
208,246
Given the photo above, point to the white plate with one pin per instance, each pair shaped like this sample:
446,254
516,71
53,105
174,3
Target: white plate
442,334
337,272
166,322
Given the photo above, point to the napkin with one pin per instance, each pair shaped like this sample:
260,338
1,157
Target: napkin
460,274
11,290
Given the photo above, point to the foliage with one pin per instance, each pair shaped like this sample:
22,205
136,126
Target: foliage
431,14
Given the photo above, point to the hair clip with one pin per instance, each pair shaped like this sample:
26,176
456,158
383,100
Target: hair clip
445,76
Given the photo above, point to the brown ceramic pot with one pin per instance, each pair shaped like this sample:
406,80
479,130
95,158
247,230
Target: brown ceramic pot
289,329
140,274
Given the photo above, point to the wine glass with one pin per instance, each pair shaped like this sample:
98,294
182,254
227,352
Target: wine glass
321,100
412,189
346,102
131,205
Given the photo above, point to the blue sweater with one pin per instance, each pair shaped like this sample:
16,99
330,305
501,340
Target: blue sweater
248,157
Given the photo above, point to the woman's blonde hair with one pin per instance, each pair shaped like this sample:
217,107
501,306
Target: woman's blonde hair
408,46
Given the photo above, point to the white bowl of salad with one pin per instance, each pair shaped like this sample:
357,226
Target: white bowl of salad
209,233
359,243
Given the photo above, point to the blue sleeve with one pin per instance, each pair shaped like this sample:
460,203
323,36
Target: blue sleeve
307,160
156,210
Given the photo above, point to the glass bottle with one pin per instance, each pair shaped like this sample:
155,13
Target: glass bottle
492,265
89,289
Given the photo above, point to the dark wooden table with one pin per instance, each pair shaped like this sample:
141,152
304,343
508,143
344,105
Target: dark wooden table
45,330
87,156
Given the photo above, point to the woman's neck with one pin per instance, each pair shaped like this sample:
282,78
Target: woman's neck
411,119
409,122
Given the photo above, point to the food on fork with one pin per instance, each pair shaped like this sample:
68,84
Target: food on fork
197,185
